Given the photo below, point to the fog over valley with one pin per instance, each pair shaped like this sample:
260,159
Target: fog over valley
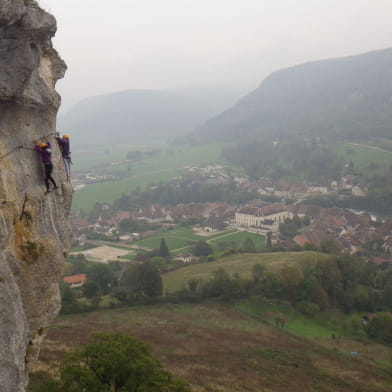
195,195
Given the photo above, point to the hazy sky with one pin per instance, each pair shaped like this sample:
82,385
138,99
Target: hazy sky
112,45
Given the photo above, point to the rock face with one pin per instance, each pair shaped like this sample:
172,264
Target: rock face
34,231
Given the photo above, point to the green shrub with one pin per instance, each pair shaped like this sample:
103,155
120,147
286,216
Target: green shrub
307,308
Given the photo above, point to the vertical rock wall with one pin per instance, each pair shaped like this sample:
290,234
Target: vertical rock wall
34,230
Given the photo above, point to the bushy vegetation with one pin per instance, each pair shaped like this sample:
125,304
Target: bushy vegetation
336,282
263,158
110,362
184,192
290,227
376,202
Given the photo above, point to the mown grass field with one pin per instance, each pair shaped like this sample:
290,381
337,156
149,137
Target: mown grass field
319,326
363,156
220,348
181,240
332,328
167,163
241,263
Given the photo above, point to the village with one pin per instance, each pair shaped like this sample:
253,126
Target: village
281,210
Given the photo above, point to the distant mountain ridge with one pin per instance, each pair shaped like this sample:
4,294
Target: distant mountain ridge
132,115
343,98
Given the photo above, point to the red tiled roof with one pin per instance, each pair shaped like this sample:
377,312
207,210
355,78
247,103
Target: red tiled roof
301,240
79,222
380,260
75,278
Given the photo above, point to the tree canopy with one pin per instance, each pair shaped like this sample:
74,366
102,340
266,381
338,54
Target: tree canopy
143,279
163,249
111,363
202,248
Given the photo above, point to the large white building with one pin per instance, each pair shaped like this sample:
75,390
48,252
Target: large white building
261,215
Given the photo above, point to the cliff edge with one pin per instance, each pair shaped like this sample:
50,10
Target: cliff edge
34,229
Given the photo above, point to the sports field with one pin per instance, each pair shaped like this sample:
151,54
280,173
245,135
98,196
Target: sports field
181,240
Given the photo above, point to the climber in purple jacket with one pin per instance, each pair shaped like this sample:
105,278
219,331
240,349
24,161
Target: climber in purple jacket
46,156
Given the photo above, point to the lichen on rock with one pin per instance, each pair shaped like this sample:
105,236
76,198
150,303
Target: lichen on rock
34,228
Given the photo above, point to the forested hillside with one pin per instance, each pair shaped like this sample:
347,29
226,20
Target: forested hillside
345,98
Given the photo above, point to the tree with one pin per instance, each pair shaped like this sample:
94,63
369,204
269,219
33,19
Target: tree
102,275
116,362
192,285
329,246
291,279
319,297
258,272
269,240
202,248
143,279
387,296
330,278
92,292
249,246
69,303
163,249
150,280
42,382
380,326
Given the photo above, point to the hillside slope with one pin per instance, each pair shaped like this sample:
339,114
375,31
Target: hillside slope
132,115
217,347
342,98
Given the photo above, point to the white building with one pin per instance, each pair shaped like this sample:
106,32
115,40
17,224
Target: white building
266,217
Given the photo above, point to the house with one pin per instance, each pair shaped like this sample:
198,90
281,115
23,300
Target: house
79,223
318,190
185,258
283,190
347,182
380,260
262,215
359,191
301,240
154,214
387,245
311,236
75,280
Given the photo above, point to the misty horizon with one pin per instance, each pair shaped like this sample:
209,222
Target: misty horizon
179,44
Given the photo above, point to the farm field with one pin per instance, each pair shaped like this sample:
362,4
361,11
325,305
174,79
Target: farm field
162,166
218,347
182,239
363,156
241,263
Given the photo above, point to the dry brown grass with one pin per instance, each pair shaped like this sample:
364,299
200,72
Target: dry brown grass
219,349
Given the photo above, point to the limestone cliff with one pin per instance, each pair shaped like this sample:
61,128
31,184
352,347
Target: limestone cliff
34,231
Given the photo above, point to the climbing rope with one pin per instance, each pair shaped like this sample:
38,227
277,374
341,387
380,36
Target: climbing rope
11,151
21,146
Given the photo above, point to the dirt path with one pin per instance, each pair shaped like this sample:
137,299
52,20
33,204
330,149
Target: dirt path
223,236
